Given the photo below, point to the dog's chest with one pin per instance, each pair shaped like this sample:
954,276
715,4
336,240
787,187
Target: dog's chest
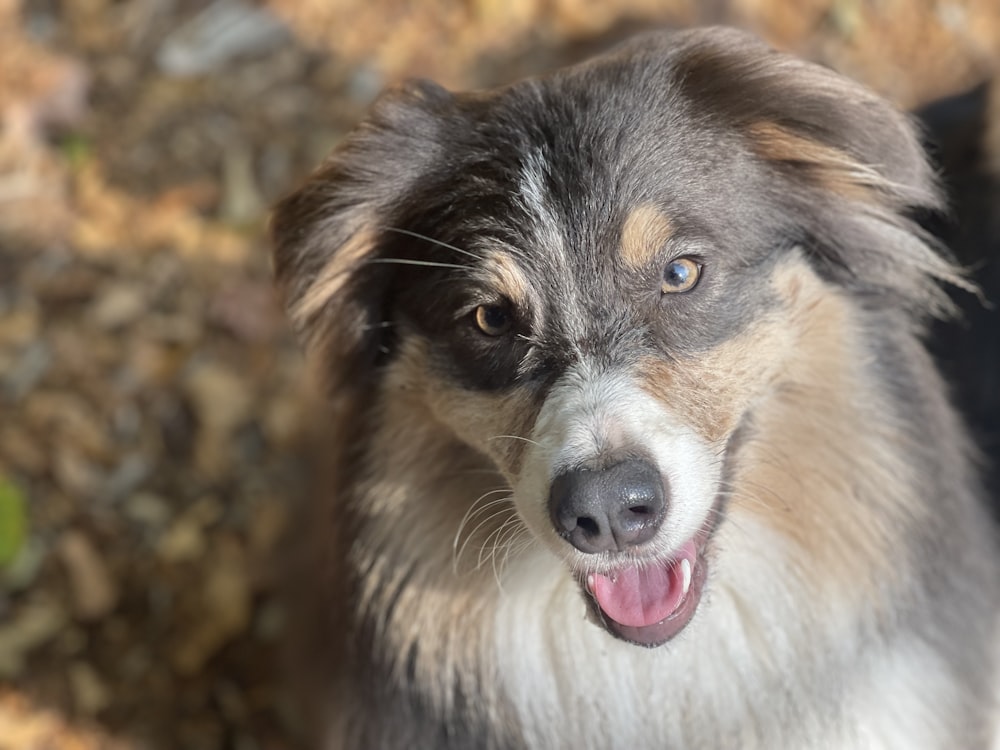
570,685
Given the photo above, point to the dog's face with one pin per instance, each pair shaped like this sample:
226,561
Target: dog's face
594,278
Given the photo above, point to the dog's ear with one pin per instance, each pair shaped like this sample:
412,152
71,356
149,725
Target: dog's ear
850,170
327,233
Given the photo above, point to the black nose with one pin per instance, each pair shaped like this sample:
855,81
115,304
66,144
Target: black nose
608,509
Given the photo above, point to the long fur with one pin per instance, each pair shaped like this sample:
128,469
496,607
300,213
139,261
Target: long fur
851,589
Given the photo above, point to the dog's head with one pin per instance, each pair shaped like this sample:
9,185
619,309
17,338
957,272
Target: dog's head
594,278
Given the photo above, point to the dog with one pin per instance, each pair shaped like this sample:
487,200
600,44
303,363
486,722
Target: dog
638,444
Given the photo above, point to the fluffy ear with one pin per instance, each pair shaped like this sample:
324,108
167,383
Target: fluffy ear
326,234
850,170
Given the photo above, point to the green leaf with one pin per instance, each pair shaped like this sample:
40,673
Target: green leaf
13,521
77,149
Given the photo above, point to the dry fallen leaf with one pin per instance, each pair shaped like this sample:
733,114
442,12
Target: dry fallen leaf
36,623
223,609
94,589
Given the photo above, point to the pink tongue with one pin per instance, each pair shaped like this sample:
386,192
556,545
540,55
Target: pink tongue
639,597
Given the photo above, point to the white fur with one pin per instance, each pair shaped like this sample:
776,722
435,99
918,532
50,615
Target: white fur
532,187
752,670
532,194
590,412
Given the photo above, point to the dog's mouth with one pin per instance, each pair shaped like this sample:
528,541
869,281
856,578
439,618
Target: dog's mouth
649,603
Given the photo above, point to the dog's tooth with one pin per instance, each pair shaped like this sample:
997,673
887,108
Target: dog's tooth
590,583
685,575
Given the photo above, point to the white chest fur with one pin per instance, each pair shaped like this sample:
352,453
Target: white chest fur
760,666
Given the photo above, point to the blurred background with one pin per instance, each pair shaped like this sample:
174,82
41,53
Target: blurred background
152,402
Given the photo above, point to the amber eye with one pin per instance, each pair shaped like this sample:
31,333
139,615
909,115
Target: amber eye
493,320
680,275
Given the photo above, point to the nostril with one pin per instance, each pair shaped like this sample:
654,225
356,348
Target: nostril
588,526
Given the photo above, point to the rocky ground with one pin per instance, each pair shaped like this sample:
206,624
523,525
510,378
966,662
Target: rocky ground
152,401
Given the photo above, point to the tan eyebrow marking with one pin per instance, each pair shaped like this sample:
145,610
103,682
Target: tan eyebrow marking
645,232
508,278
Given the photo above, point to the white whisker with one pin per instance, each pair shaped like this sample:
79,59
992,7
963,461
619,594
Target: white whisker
477,509
513,437
409,262
433,241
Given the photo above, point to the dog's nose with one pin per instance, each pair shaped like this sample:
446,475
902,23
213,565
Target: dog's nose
608,509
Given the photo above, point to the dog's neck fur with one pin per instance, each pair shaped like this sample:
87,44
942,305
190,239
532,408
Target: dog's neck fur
793,599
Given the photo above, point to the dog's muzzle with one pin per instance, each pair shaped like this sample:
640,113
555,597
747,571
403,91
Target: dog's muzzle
611,513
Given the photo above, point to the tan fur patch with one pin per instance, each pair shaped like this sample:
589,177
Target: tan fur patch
713,390
838,494
829,167
333,276
432,498
422,484
502,273
501,423
497,424
644,234
841,493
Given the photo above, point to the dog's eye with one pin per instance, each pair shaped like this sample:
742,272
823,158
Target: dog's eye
680,275
493,320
